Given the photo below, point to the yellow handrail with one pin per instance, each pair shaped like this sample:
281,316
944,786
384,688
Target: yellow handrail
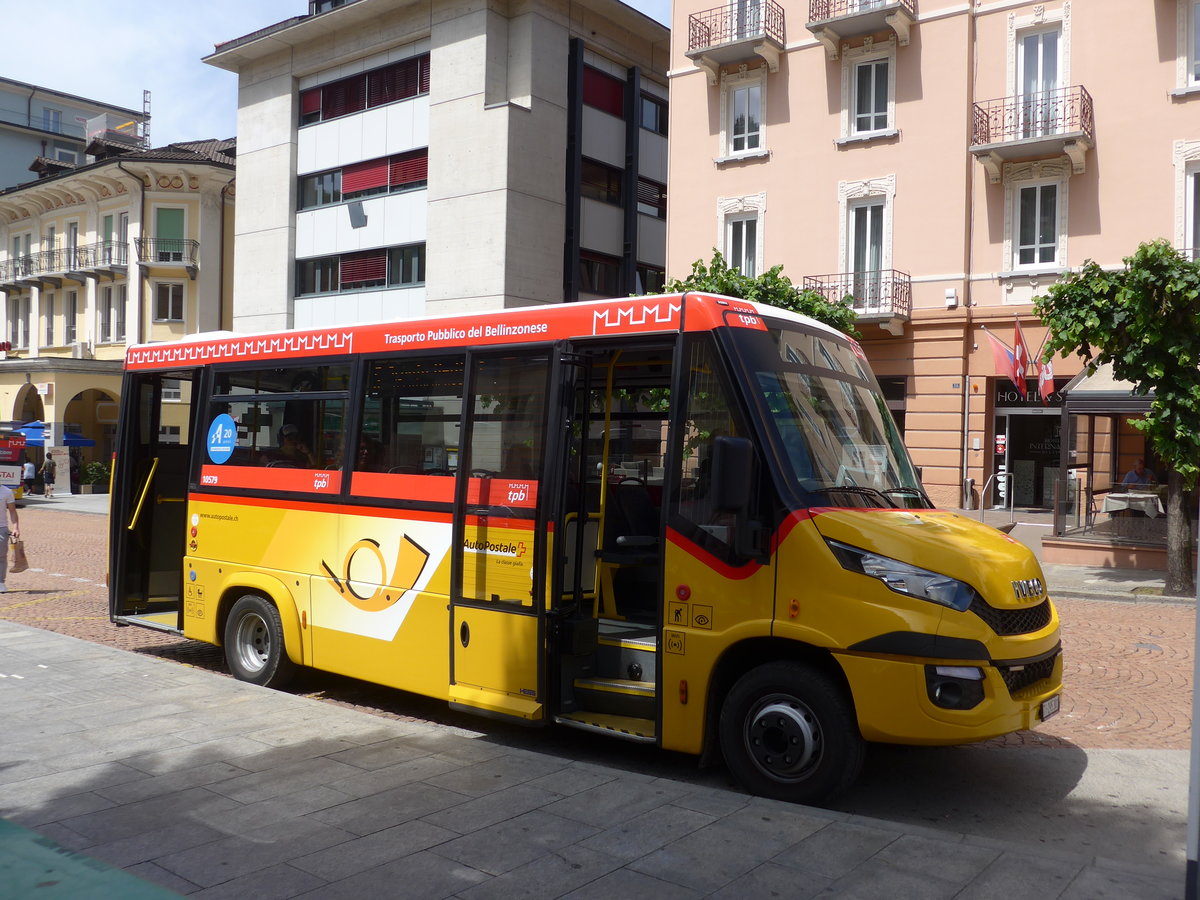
142,499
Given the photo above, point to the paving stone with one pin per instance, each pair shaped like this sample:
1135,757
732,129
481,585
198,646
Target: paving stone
360,854
547,876
364,815
148,846
515,842
629,885
233,857
144,816
425,875
480,812
616,800
280,882
772,880
1021,875
636,837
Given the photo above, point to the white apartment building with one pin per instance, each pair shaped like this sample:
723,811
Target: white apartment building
400,158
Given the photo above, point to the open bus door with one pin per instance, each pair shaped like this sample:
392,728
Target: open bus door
147,523
504,504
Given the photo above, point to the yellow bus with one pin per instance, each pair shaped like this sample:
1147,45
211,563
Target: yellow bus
685,520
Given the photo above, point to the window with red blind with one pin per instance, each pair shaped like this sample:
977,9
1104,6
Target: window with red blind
370,177
409,170
361,269
604,92
398,81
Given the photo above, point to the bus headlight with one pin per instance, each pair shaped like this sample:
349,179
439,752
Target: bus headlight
904,578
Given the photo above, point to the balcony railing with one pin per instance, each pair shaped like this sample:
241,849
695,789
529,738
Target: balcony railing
1061,112
169,252
877,294
831,21
736,32
69,261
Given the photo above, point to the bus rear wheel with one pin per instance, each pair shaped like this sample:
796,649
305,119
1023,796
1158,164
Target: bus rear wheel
254,649
789,732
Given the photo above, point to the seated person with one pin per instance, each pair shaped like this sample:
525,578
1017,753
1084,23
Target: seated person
1139,475
292,449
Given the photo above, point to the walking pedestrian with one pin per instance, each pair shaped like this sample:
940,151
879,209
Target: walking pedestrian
49,468
10,503
28,474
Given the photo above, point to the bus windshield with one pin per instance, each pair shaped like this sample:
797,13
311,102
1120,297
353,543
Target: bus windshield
827,419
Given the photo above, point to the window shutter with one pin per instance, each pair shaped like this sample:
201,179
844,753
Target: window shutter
651,193
423,80
408,168
342,97
604,92
368,266
310,101
364,176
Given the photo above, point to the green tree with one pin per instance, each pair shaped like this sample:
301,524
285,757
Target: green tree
772,288
1143,320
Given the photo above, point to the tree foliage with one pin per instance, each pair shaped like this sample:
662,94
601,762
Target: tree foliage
771,288
1143,319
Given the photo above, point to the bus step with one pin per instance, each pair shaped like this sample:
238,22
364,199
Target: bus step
625,727
630,655
616,696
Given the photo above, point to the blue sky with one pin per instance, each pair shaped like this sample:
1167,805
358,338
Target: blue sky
113,51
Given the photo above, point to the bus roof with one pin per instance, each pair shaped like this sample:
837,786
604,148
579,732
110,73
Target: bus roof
630,316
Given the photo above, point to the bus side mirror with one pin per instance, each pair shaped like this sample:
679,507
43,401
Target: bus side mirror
732,473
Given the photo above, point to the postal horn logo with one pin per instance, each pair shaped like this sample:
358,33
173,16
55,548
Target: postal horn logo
365,581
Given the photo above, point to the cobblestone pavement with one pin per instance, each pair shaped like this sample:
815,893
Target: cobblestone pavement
1127,678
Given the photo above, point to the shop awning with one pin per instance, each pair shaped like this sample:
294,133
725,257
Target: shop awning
1102,392
35,436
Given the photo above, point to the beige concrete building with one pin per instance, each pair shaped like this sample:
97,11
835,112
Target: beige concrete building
402,158
130,246
943,162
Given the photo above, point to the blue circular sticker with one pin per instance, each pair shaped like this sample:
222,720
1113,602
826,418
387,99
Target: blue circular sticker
222,438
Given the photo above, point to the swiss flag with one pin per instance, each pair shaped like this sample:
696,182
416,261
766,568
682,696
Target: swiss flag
1046,380
1020,359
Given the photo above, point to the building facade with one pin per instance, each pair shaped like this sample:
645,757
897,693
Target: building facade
40,123
131,247
942,163
402,158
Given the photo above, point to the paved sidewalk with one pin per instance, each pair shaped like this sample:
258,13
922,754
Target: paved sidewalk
215,788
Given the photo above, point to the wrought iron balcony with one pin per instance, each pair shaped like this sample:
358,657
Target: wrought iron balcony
832,21
881,295
736,33
169,252
1030,126
50,267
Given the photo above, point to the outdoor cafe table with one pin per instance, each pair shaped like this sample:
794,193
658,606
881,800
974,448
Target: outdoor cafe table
1145,503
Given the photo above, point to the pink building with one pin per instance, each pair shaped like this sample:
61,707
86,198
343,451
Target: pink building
943,162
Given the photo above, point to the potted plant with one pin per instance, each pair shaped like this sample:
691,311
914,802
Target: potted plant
94,478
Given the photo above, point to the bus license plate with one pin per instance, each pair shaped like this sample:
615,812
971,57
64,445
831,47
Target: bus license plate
1050,707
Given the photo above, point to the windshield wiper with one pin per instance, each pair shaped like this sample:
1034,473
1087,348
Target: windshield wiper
909,492
855,489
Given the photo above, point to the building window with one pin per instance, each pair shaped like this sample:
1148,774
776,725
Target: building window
70,324
745,118
172,390
168,302
603,92
106,318
652,198
1194,46
121,296
48,319
741,244
650,279
1037,225
1193,214
320,189
599,274
866,245
654,114
391,266
402,172
168,434
25,332
52,120
387,84
600,182
871,96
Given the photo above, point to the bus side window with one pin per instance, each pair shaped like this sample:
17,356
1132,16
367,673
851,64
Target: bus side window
710,414
411,412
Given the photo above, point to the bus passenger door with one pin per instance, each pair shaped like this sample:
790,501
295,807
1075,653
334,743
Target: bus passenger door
501,535
147,527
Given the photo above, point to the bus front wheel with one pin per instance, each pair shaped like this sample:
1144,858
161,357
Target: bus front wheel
254,647
789,732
